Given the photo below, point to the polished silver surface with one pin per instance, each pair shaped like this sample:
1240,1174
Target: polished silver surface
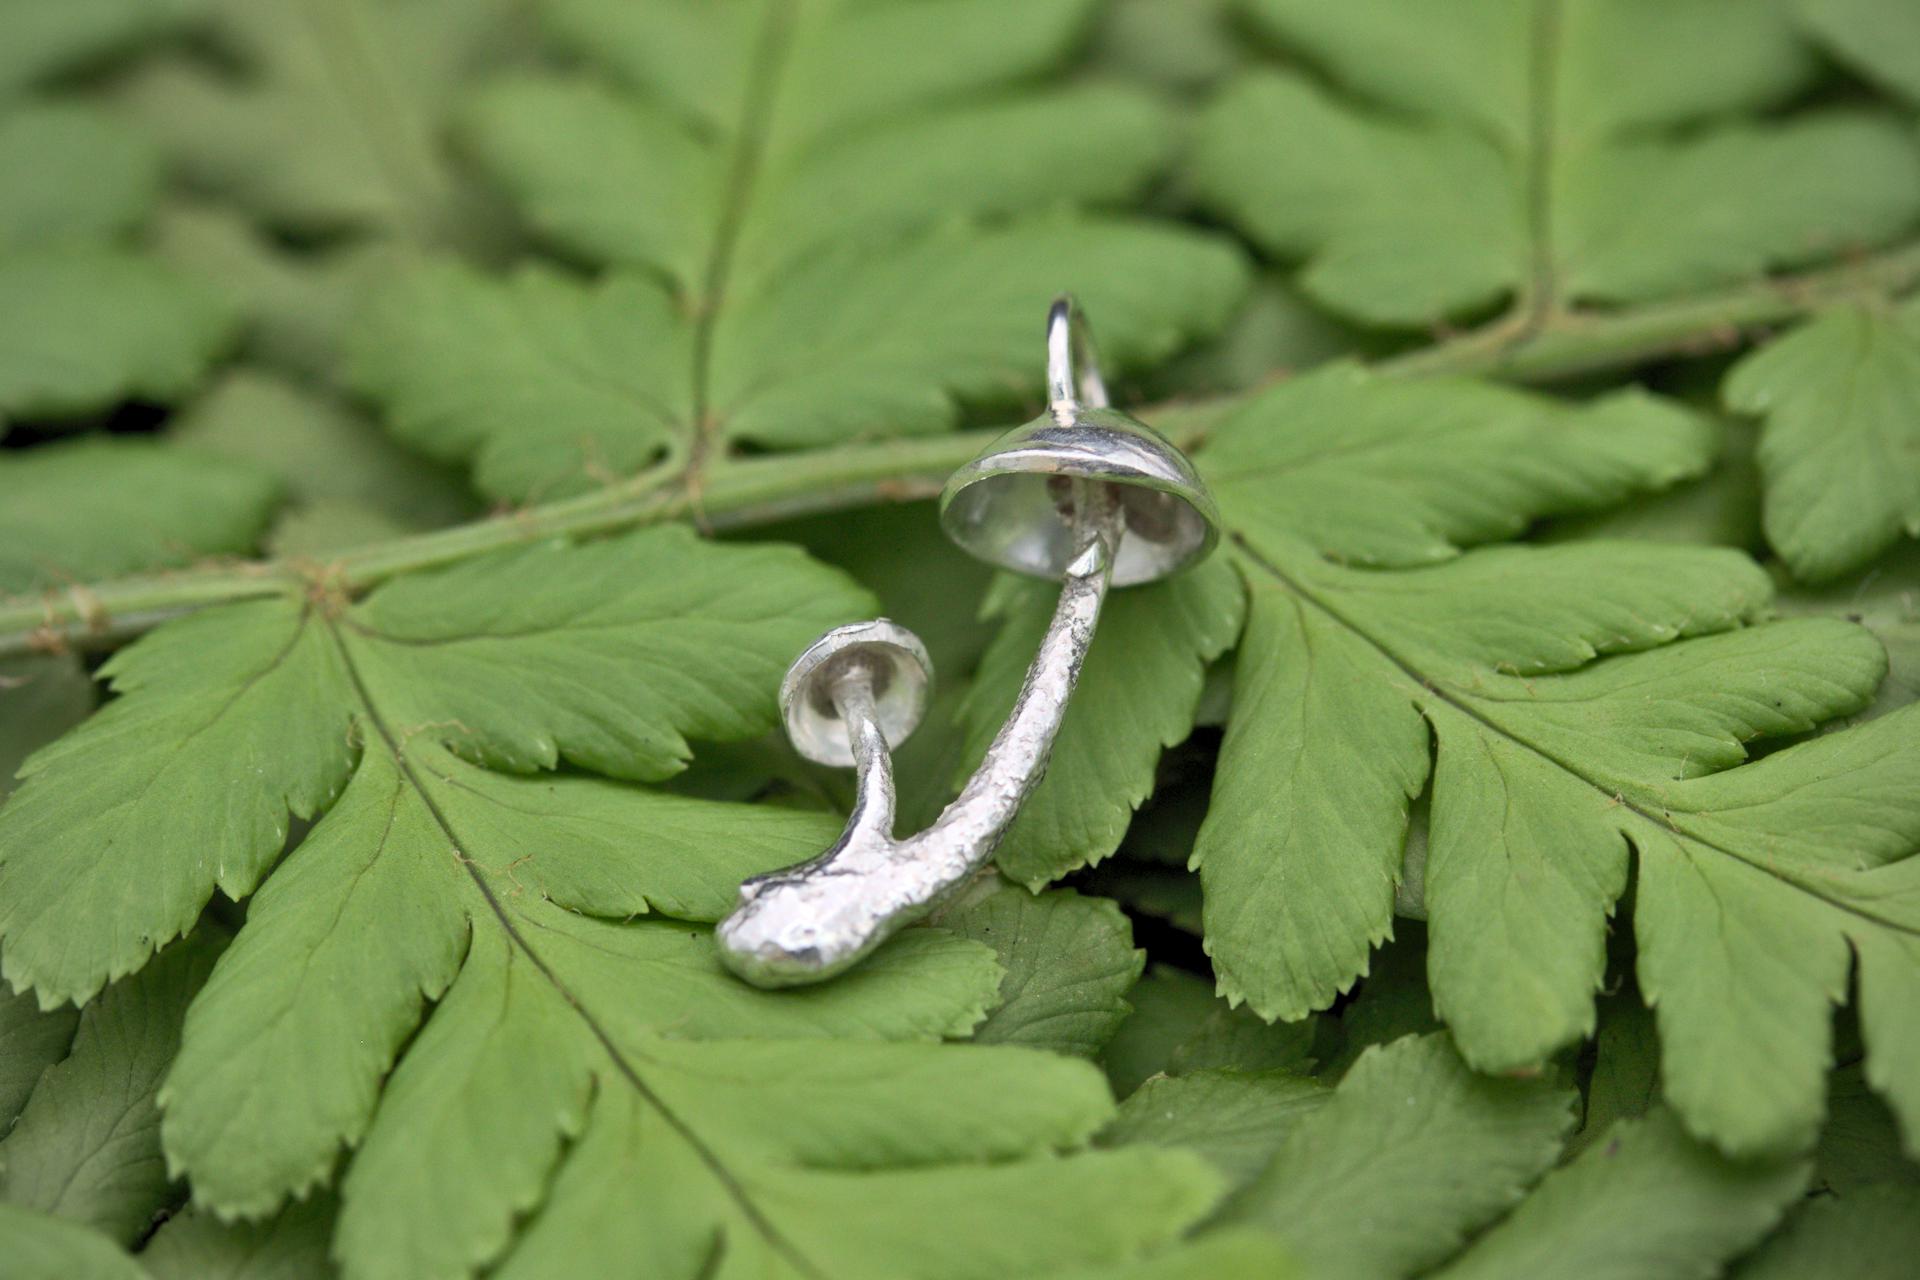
897,673
1064,497
818,919
1008,505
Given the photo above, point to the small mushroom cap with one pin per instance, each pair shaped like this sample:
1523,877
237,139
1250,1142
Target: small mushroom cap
1010,506
898,672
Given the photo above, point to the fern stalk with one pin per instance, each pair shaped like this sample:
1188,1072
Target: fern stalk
742,492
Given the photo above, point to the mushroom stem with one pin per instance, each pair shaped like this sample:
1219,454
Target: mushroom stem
873,762
1043,499
1017,759
821,917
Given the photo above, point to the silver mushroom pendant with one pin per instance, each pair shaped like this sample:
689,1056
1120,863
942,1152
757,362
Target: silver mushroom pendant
1084,495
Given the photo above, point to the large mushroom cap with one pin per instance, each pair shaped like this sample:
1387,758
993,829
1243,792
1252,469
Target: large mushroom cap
898,671
1012,506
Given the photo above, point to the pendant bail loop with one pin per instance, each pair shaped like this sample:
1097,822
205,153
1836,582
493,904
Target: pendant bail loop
1070,348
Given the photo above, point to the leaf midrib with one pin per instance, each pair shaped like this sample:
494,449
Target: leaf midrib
354,74
1435,690
764,73
734,1187
1538,299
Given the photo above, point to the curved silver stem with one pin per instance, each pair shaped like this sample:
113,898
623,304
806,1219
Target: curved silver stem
1014,763
872,815
821,917
815,920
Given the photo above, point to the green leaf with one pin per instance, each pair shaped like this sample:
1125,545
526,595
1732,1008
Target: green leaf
703,1132
1170,1007
1879,38
1870,1235
1069,963
38,1246
194,1245
1391,1002
508,898
1833,820
1178,47
31,1040
1233,1039
320,450
471,1020
1278,331
809,1133
83,329
257,705
780,131
1860,1142
1586,699
89,509
68,172
249,689
1396,474
818,155
40,41
1839,399
1649,1203
41,697
1236,1119
924,581
1721,509
87,1146
1220,1255
1885,599
1378,473
330,118
549,385
827,223
1625,1082
84,1168
1463,154
295,308
1137,695
1411,1154
1179,1026
535,378
325,528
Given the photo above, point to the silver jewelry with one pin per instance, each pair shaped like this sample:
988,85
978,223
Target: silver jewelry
1084,495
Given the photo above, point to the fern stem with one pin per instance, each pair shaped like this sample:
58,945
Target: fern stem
1565,344
748,491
